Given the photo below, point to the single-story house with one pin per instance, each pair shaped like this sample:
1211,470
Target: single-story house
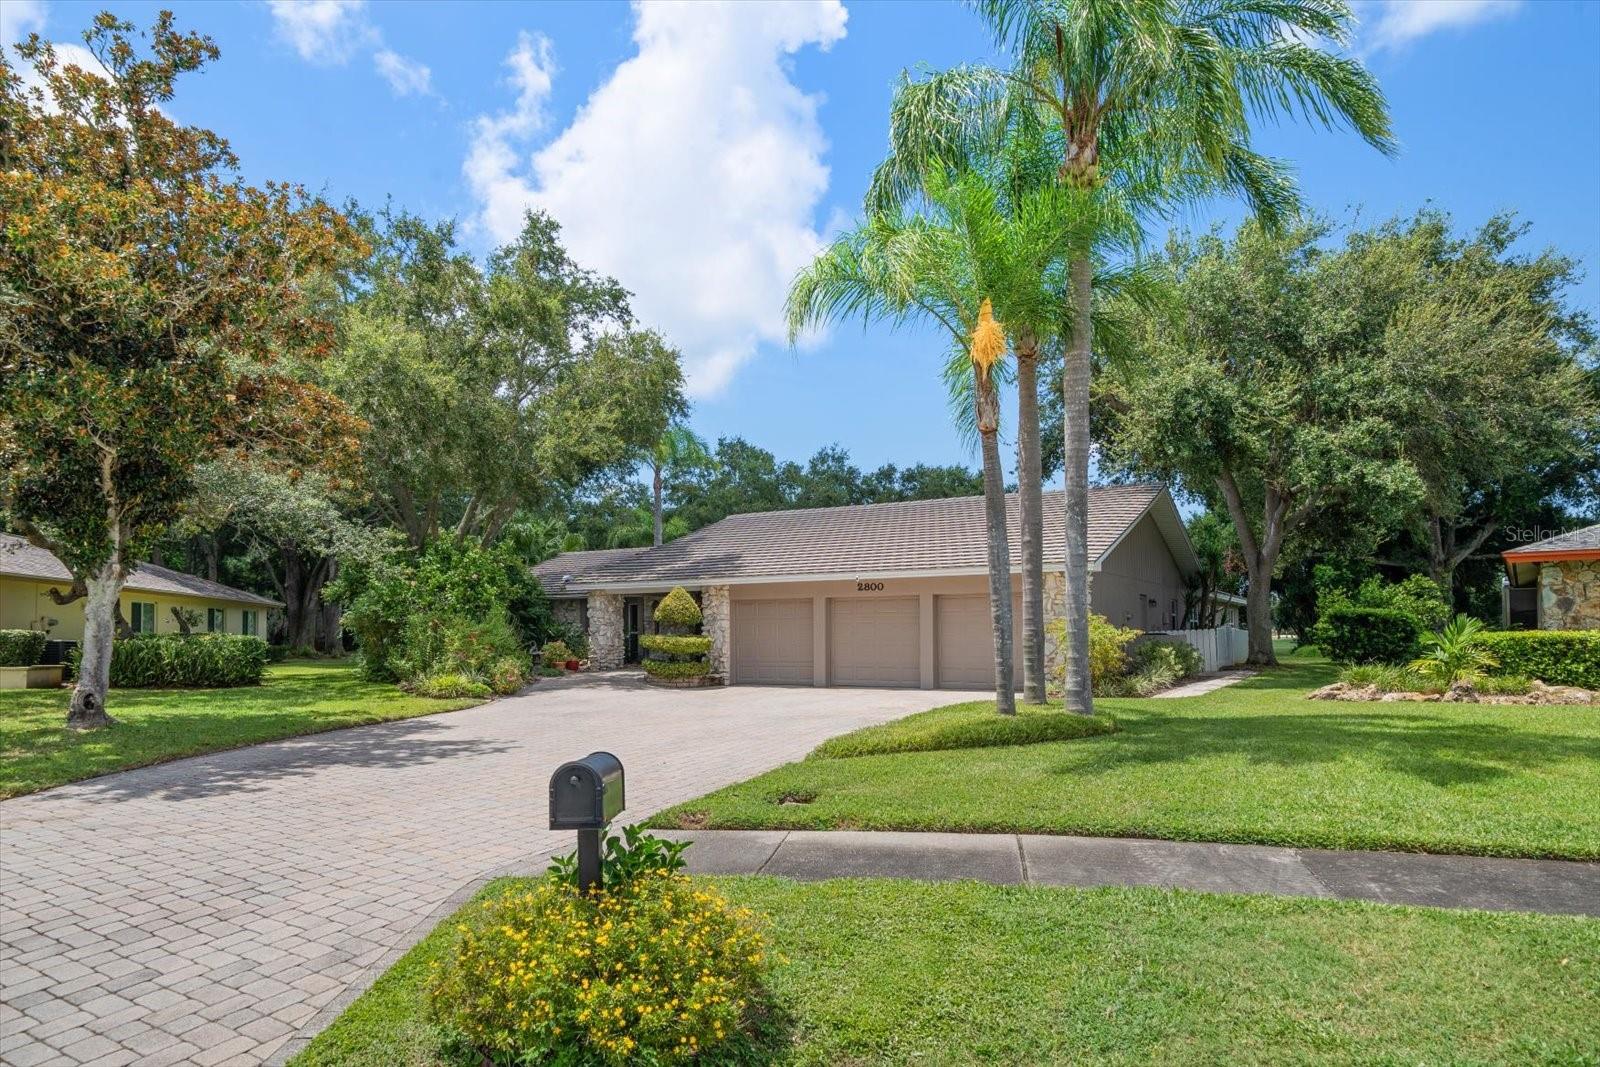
1554,584
876,594
29,573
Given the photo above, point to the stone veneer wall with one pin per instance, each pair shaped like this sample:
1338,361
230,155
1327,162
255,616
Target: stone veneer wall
1569,595
716,622
606,645
568,611
1055,649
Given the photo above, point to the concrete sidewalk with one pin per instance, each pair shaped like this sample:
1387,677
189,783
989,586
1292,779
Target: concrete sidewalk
1553,886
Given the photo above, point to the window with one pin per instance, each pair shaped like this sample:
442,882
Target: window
143,618
216,620
248,623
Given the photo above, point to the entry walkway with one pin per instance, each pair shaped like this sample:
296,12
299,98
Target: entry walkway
1554,886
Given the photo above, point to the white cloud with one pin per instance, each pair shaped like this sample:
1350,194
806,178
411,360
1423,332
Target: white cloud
405,76
693,174
325,32
1395,23
329,32
18,18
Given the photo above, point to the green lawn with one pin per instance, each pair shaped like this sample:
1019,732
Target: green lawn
156,725
1255,762
884,972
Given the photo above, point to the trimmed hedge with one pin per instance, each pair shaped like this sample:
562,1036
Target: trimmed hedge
660,668
678,609
1556,657
21,648
172,661
1367,635
676,644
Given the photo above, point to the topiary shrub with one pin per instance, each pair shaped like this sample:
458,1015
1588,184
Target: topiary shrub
171,661
677,656
657,970
1555,657
678,611
21,648
1367,635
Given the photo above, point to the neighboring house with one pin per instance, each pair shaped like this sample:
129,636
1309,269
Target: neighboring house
876,594
1555,583
29,573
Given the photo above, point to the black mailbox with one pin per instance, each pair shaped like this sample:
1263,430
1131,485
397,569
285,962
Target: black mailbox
586,794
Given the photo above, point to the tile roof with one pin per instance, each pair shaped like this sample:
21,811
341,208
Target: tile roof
19,559
916,536
1586,539
554,572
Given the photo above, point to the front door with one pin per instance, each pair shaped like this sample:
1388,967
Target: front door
632,611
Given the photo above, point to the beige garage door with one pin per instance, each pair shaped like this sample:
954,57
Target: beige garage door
874,642
965,643
772,642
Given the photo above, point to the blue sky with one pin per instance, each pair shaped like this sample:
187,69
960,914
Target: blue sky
700,152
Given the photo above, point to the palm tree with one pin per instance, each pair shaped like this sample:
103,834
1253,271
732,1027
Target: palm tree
1148,102
959,264
678,447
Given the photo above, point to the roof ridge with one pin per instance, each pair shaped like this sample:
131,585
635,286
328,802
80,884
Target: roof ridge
1152,486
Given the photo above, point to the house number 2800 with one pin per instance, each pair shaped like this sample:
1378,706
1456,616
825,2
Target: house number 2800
869,587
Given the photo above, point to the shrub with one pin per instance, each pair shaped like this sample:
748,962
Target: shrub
1108,657
940,731
629,857
442,686
662,668
1556,657
171,661
659,970
1179,657
1456,654
1366,635
676,644
1388,678
21,648
443,644
678,610
508,675
555,653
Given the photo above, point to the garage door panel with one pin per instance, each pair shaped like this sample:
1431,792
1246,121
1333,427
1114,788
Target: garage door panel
772,642
964,643
875,642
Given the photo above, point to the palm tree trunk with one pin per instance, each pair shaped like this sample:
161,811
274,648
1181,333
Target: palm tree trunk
994,514
656,503
1031,512
1079,694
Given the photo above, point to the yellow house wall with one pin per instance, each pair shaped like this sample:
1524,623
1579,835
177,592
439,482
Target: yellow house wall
26,605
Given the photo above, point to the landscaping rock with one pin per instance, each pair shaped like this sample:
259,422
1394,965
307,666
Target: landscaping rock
1410,698
1559,694
1461,693
1329,692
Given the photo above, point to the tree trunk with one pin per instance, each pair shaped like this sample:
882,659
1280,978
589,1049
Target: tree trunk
1258,608
994,507
330,615
1078,692
88,708
1031,513
656,505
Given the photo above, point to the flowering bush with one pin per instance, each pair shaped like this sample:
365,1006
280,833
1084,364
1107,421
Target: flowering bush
658,970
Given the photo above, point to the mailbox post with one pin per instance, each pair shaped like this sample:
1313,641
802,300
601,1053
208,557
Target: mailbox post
585,795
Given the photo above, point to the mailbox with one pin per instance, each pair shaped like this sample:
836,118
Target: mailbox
586,794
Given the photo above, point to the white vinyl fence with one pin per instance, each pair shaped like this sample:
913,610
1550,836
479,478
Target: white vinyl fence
1226,646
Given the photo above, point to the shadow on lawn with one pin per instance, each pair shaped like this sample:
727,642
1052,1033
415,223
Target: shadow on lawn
1429,747
403,743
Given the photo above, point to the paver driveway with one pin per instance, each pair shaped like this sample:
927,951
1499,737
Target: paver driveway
206,911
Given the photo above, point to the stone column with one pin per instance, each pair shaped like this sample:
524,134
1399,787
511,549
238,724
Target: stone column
1569,595
716,622
1055,649
606,645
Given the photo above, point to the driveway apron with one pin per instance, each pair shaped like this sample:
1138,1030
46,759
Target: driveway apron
205,911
